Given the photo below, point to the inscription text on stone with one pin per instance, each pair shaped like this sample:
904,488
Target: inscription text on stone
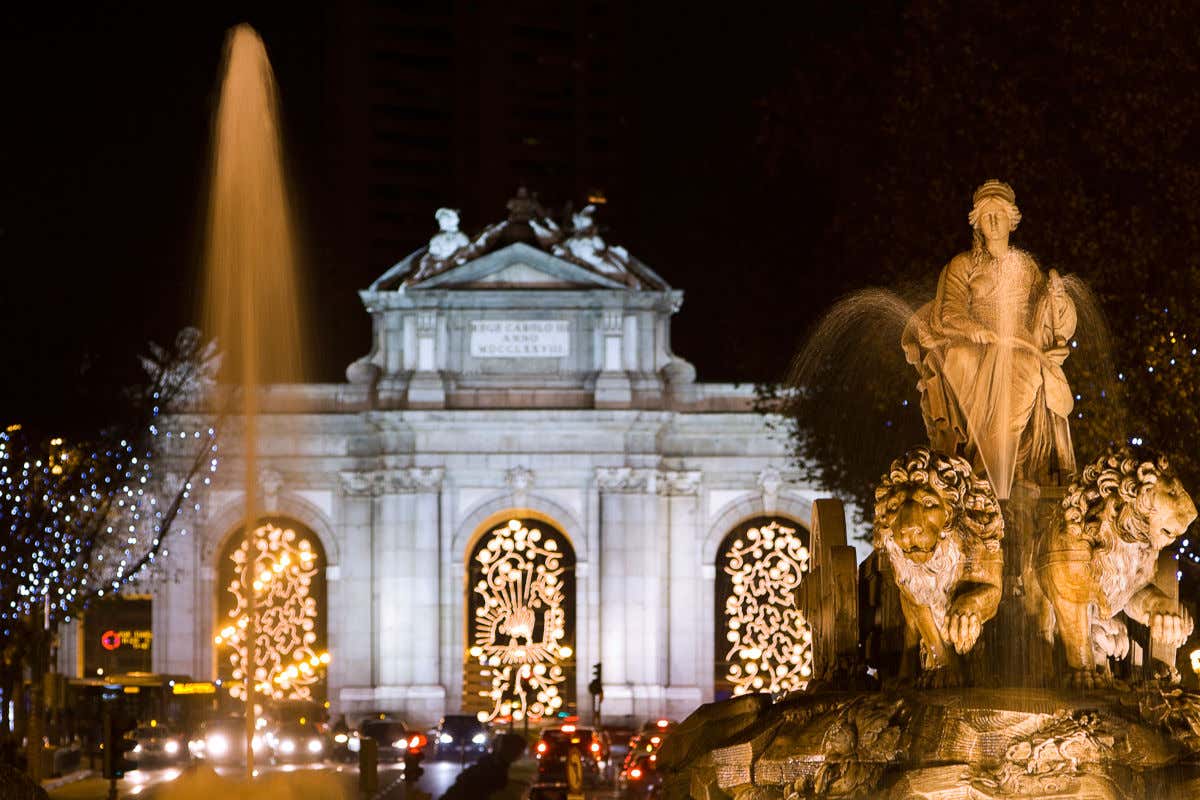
514,338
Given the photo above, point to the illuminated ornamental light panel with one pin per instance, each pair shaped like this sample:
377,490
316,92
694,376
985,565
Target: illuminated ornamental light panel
281,574
520,622
770,641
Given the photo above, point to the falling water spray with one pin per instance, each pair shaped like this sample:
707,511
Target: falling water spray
251,298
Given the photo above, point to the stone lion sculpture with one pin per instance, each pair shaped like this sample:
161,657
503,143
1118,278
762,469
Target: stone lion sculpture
940,527
1099,555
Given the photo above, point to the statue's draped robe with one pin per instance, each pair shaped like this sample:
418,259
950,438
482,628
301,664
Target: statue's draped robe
1003,404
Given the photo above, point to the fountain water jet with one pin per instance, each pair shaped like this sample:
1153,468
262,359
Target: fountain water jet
251,298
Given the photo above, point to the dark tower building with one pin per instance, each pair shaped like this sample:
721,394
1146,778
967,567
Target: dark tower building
459,103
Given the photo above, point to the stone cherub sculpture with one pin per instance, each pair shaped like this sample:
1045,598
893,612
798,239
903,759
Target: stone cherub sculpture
989,349
940,527
1099,557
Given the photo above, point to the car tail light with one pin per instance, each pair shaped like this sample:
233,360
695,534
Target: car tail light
416,742
595,747
635,773
541,748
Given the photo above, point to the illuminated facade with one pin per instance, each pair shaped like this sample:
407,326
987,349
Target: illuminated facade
522,377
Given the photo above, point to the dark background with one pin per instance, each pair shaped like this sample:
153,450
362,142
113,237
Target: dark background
765,161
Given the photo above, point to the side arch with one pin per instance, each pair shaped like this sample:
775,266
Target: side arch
223,524
791,505
474,523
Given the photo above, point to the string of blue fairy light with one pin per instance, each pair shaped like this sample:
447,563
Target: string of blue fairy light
76,531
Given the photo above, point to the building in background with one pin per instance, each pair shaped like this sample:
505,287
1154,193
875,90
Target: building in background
519,481
460,102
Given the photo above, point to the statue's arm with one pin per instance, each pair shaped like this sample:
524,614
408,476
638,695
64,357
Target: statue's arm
955,295
1063,317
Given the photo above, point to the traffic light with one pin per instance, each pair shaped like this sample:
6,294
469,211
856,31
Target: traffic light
117,746
596,687
414,754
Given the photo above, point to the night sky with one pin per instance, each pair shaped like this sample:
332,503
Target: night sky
760,144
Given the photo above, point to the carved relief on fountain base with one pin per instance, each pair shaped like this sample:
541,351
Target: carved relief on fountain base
944,744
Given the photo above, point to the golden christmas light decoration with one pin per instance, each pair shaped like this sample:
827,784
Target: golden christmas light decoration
770,641
520,622
281,574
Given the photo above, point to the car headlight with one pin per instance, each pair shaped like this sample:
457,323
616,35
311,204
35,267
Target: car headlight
171,747
446,738
400,744
353,743
196,746
218,745
137,748
287,747
314,745
479,738
341,738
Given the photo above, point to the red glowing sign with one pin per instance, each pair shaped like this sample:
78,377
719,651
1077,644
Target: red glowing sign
110,640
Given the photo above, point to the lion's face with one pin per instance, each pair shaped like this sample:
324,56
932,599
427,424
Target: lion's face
916,517
1171,512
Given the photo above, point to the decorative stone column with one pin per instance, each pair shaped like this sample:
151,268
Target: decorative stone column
613,389
354,617
685,666
426,389
633,592
406,590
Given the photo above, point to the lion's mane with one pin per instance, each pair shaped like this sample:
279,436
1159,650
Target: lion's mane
1125,476
973,505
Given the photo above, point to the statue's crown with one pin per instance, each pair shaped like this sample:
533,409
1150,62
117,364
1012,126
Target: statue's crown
994,188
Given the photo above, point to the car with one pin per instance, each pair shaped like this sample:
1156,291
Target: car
158,744
223,741
639,772
640,778
461,737
554,743
390,734
298,743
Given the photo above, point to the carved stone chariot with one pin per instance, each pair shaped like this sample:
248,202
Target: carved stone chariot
1019,619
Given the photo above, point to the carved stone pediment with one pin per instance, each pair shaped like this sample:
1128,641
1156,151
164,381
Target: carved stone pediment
682,482
357,484
412,479
626,479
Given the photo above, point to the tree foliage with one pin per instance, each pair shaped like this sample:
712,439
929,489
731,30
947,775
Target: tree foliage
82,518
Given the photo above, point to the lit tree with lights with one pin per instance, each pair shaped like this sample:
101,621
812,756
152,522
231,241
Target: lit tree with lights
84,519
